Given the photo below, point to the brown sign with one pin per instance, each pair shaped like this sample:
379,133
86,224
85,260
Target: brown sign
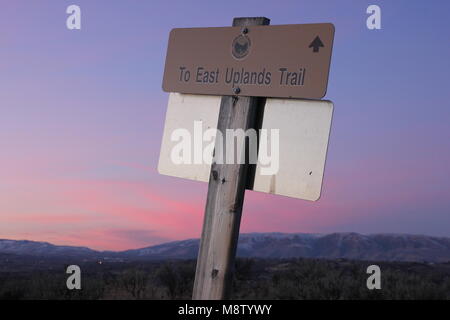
288,61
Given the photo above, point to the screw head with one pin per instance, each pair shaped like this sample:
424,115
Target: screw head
237,90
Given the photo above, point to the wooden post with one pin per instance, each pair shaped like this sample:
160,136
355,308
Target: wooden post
225,199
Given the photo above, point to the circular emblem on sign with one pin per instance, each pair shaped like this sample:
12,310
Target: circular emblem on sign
240,47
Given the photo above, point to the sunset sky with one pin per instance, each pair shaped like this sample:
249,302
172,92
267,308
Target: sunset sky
82,115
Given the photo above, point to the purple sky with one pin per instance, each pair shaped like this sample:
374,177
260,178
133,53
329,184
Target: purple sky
82,114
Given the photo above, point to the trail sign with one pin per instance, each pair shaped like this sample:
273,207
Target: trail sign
247,64
286,61
297,167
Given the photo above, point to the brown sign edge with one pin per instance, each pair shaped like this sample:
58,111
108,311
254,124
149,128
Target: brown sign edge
290,97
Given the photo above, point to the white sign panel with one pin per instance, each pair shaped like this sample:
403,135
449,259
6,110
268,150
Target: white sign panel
292,147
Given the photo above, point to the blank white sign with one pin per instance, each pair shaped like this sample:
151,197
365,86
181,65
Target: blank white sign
304,129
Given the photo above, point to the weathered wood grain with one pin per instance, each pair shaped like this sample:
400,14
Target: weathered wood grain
225,199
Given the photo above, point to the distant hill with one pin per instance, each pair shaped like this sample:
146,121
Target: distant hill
35,248
379,247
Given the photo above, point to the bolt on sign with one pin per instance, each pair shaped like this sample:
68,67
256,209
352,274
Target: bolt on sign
285,61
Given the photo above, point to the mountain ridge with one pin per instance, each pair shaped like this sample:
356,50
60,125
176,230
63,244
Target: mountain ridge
346,245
